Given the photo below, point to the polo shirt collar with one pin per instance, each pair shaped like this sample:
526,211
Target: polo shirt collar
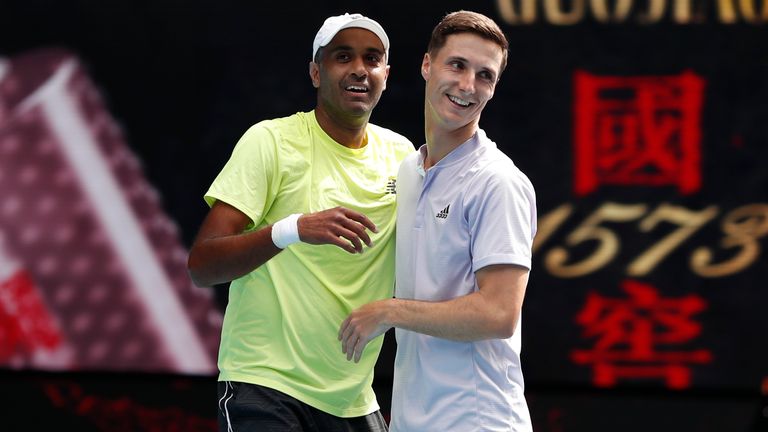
467,147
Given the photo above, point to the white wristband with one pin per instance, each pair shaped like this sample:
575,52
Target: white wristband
285,232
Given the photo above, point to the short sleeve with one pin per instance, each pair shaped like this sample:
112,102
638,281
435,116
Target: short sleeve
248,180
502,219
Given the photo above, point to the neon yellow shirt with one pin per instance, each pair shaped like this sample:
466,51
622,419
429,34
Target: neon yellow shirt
282,320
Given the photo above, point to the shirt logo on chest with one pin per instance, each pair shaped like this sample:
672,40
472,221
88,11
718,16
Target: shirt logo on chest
391,186
443,214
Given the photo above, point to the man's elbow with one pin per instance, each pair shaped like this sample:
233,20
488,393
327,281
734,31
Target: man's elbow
196,272
507,332
198,280
505,325
504,332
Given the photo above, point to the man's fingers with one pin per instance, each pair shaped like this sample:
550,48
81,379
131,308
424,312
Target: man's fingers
351,349
339,226
362,219
343,328
351,344
349,241
342,241
347,338
360,347
344,348
348,346
359,230
355,349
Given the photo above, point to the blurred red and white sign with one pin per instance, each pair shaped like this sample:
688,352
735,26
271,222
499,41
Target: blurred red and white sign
92,272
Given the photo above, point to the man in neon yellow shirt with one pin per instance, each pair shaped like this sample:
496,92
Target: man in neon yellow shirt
302,221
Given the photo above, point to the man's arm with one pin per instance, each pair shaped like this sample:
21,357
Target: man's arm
491,312
223,252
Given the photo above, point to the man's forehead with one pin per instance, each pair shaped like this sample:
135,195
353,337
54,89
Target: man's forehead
472,48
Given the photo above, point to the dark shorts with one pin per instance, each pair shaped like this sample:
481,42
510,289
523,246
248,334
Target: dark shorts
254,408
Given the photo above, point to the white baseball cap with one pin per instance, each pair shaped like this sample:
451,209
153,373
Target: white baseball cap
335,24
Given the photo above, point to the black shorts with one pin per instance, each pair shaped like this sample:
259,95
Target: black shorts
253,408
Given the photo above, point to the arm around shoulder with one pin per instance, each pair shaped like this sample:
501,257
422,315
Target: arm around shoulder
492,312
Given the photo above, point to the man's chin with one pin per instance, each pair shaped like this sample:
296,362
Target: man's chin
360,108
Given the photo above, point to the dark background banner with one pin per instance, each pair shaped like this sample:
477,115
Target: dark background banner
642,125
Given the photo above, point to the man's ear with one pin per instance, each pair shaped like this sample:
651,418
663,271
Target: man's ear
314,74
386,75
425,64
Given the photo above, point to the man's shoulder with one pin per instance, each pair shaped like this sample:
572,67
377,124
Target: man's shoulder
495,165
282,123
501,166
390,136
277,130
495,159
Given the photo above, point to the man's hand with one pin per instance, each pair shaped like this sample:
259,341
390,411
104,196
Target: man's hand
339,226
361,326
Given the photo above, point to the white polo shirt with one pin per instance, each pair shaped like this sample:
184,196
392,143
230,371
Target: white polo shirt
472,209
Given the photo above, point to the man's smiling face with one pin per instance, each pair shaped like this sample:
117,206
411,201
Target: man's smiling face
461,78
351,74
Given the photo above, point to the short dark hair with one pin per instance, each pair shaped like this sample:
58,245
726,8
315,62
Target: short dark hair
318,55
468,22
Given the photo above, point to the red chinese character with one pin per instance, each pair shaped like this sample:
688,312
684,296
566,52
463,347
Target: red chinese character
634,335
26,326
637,131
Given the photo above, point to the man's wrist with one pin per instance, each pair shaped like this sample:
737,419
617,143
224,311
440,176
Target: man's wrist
285,232
392,312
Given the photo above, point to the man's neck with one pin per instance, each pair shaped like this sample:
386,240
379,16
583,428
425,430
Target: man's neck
349,135
440,142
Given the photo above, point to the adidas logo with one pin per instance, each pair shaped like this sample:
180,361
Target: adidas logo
443,214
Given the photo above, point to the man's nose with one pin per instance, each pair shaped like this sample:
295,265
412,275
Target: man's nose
467,82
358,67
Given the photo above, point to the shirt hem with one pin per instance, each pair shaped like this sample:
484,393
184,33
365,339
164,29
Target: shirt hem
502,259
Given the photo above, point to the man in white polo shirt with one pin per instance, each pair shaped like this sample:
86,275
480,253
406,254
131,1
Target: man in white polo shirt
466,222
